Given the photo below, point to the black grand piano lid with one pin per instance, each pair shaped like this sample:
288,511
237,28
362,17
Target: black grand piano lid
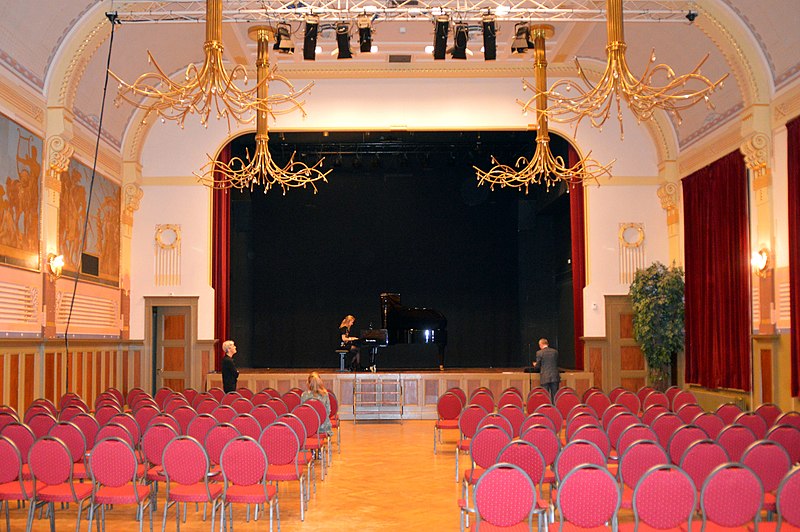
395,316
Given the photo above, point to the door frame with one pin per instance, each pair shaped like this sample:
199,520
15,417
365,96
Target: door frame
193,368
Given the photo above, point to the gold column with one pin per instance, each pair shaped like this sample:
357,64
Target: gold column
132,194
669,195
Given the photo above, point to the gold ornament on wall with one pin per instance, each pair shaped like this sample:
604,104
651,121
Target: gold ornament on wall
631,250
168,255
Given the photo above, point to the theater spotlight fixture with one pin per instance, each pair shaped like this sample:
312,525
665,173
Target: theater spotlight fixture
310,38
343,40
489,37
522,38
283,39
364,33
460,38
440,36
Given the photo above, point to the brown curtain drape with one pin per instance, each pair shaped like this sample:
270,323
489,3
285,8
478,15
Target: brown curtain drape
220,261
578,233
793,145
715,201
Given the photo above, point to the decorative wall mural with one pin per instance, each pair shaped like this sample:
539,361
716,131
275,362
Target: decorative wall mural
20,175
101,254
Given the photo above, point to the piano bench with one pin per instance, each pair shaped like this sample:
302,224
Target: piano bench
342,355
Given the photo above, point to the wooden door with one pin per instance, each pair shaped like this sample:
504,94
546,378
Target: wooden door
173,346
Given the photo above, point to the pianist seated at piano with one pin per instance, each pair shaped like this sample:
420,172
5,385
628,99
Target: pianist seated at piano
350,342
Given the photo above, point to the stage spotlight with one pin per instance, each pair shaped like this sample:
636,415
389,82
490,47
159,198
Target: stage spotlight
440,36
522,38
364,33
343,40
310,39
460,38
489,37
283,39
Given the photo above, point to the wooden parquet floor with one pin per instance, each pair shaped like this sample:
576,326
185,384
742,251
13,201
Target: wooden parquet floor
385,478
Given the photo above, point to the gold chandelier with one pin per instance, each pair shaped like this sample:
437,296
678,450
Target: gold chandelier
543,166
206,89
261,169
642,95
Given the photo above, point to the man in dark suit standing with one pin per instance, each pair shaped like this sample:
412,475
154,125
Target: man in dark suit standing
547,364
230,375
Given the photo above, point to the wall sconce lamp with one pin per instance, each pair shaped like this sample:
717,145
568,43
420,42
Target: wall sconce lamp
55,265
761,262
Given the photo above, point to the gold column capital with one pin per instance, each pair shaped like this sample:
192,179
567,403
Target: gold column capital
59,152
133,194
756,150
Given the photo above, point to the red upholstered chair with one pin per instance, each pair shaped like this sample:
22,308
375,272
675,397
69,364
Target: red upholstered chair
190,394
73,438
728,412
184,414
305,457
655,398
588,499
735,439
229,398
323,413
175,401
334,415
200,425
581,420
7,417
769,412
217,393
493,418
652,412
619,424
770,462
144,414
247,425
33,410
12,487
754,422
688,411
671,392
45,403
510,397
566,402
548,442
167,419
277,404
242,405
105,412
260,398
282,447
597,436
580,408
51,468
154,440
115,430
551,411
161,396
643,392
638,458
88,426
244,473
216,439
480,389
664,425
291,399
23,438
638,431
701,458
589,391
681,439
537,418
448,407
611,411
709,422
615,392
130,423
264,414
731,497
207,405
41,423
564,389
788,509
599,403
200,397
484,448
576,453
683,397
503,499
113,465
653,511
789,437
247,393
536,399
514,415
629,400
224,413
461,394
272,392
313,442
467,425
186,469
789,418
484,399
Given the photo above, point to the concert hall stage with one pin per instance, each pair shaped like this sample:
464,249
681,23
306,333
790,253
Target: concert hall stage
398,394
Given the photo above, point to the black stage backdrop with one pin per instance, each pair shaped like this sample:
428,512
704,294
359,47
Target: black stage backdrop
400,213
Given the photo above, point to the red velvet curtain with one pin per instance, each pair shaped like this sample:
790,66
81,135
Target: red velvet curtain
715,201
220,265
576,214
793,128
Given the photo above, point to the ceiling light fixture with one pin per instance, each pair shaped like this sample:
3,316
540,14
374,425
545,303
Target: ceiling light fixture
364,23
310,37
489,37
441,29
343,40
460,38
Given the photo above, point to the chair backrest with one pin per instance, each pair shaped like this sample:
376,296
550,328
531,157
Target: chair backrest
493,418
115,430
297,426
754,422
335,404
575,453
460,393
185,462
619,424
589,391
537,399
629,400
34,410
688,411
664,425
281,444
595,435
206,405
448,407
643,392
638,431
7,417
242,405
41,423
787,497
588,496
71,435
184,415
769,461
105,412
709,422
789,437
578,409
200,397
515,416
510,397
46,403
683,397
277,404
638,458
260,398
652,412
732,496
145,414
190,394
70,411
483,399
469,418
681,439
50,462
769,413
656,398
217,393
168,419
247,393
538,418
566,402
229,398
487,444
652,508
89,427
113,463
155,439
224,413
553,413
310,418
581,420
10,462
161,396
247,425
22,436
599,403
527,457
130,423
481,389
701,458
564,390
291,399
728,412
615,392
545,439
789,418
611,411
243,462
264,414
216,439
319,407
735,439
200,425
504,496
272,392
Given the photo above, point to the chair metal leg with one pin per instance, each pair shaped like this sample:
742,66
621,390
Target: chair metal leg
8,521
164,521
51,509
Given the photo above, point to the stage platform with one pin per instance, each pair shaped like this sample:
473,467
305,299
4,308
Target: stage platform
398,394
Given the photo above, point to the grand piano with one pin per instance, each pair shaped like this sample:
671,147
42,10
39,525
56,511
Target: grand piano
412,325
